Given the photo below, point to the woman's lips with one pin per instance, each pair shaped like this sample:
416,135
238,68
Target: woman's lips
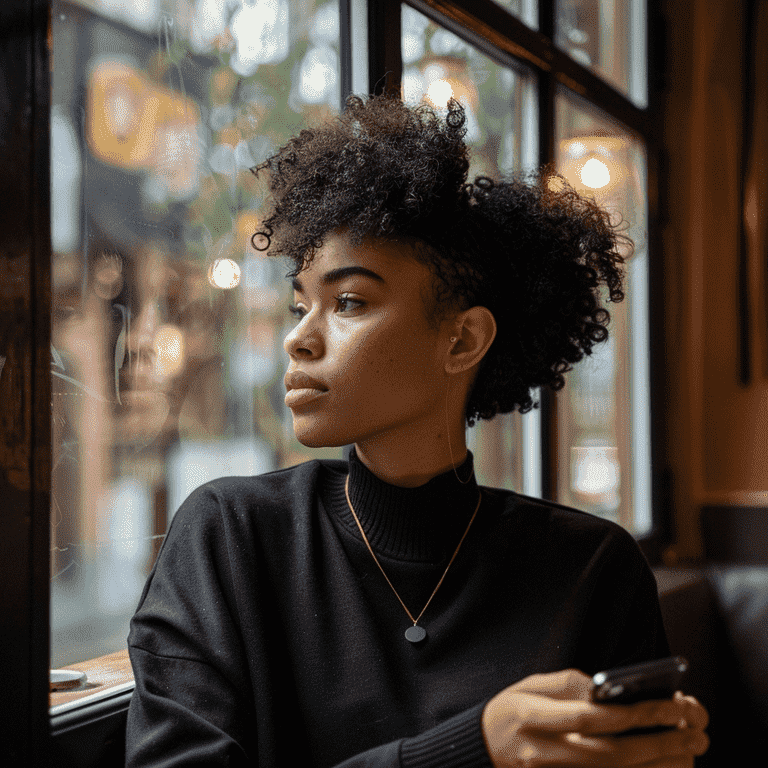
300,396
302,388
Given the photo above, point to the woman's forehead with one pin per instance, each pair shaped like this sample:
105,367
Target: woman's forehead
383,260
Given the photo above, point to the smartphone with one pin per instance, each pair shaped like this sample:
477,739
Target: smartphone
657,679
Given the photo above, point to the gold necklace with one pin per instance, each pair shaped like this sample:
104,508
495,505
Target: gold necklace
414,634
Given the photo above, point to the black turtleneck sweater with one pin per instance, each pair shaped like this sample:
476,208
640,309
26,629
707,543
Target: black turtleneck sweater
267,636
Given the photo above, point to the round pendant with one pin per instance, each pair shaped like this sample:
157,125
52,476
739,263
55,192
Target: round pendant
415,634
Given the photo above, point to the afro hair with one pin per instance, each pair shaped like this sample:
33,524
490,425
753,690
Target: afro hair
530,249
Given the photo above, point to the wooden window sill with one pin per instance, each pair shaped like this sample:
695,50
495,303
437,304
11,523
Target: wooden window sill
105,676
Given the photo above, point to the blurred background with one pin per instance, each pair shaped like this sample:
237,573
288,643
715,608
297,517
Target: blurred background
167,326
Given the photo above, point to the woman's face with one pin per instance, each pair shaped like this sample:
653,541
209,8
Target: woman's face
364,338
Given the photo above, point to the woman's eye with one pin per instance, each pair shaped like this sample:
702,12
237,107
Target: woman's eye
347,303
295,311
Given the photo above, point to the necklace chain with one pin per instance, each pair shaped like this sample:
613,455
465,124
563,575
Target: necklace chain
376,559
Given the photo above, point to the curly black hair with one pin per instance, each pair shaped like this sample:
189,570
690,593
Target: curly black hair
530,249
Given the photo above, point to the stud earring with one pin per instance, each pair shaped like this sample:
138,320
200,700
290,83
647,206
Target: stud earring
453,339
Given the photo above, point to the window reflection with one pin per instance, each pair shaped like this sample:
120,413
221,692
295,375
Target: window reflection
166,355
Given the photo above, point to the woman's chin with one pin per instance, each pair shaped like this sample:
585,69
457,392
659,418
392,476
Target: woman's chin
315,438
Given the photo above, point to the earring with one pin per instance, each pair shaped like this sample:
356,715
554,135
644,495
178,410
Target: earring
453,339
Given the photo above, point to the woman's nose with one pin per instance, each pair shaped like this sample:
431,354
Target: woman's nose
304,341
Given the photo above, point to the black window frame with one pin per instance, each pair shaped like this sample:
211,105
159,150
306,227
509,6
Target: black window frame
25,307
505,38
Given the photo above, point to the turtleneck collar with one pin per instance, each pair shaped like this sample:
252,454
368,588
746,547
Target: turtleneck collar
422,524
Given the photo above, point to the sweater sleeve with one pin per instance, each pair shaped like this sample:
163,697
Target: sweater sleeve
183,714
197,702
191,704
623,624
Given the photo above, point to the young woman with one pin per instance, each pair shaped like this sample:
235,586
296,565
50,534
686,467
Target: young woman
387,611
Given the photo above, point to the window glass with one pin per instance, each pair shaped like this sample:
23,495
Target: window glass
603,445
501,133
166,357
525,10
609,37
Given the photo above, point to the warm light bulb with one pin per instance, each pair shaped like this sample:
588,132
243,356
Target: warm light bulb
224,273
439,93
595,174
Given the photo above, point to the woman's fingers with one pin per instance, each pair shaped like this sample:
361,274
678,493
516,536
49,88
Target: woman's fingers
695,716
566,684
642,749
549,720
535,711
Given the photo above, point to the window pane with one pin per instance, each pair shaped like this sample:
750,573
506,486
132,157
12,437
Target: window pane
525,10
603,412
501,133
608,36
167,358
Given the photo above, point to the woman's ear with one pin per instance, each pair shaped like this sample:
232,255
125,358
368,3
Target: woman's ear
474,330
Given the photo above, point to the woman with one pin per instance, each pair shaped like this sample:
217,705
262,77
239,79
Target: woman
387,611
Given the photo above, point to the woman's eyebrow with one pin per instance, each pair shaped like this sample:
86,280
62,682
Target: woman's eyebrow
337,275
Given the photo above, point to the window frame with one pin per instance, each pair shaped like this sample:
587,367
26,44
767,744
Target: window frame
25,471
504,37
25,379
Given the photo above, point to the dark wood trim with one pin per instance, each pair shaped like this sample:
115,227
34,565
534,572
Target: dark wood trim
385,60
547,90
661,477
25,377
744,335
491,28
508,40
345,50
92,736
548,405
735,534
41,380
547,18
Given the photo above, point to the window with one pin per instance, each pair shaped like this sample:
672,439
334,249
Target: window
608,36
603,424
166,325
597,430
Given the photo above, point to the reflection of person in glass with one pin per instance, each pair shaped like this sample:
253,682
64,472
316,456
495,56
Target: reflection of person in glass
386,610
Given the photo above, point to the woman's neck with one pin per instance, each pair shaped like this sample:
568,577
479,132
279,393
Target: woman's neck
411,454
414,463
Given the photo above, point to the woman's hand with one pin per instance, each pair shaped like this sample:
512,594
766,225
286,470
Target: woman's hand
549,720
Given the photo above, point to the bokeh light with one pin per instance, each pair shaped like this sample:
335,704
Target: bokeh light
224,273
595,174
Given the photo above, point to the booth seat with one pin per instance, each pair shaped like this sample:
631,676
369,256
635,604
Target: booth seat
716,616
